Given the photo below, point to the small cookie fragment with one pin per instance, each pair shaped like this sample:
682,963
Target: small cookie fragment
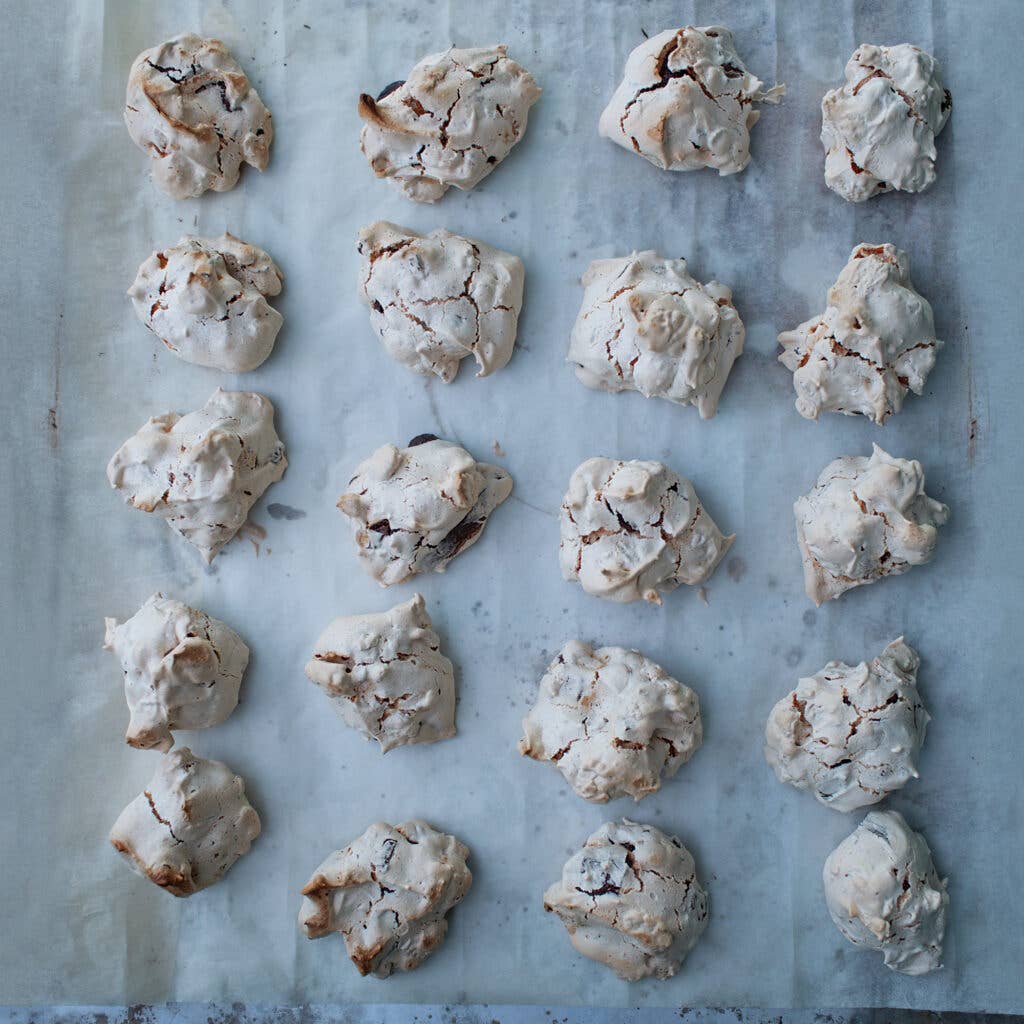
879,128
182,670
388,894
634,530
630,899
612,722
453,120
414,509
850,734
874,342
206,300
646,325
189,826
865,519
386,675
435,299
204,471
884,893
192,109
687,101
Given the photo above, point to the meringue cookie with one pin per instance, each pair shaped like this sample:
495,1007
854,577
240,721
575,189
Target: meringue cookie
386,675
414,509
182,670
875,340
612,722
451,122
851,734
879,128
865,519
388,894
192,109
202,472
630,899
435,299
634,530
687,101
647,326
189,826
884,894
206,300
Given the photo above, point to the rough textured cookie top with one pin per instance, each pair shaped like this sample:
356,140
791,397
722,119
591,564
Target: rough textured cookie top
612,722
874,342
630,899
192,109
646,325
206,300
189,826
387,894
202,472
865,519
879,128
634,530
884,893
451,122
436,299
182,669
851,734
687,101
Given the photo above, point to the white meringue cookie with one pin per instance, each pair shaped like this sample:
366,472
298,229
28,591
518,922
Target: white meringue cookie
451,122
388,894
414,509
646,325
206,300
630,899
687,101
879,128
182,669
191,108
202,472
851,734
634,530
865,519
435,299
612,722
874,342
189,826
884,893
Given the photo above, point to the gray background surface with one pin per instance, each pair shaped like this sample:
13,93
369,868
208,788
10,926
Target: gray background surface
79,214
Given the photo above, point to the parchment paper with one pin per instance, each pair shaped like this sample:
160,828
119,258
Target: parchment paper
81,374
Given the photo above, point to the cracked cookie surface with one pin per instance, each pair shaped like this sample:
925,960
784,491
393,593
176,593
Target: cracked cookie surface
451,122
646,325
191,108
632,530
204,471
687,101
612,722
388,894
874,342
189,826
206,300
879,127
865,519
884,894
182,670
386,675
414,509
850,734
436,299
630,899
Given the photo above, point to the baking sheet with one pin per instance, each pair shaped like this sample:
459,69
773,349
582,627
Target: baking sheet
79,214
